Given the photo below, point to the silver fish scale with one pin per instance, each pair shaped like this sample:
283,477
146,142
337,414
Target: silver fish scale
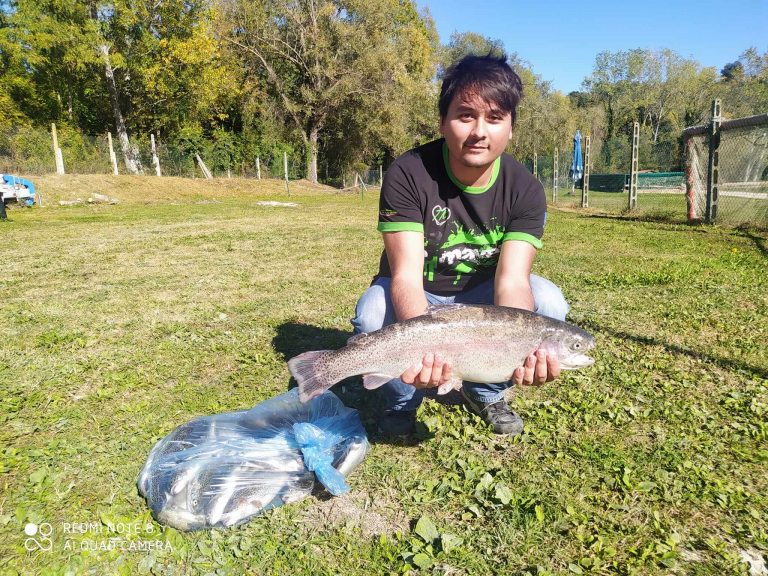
483,343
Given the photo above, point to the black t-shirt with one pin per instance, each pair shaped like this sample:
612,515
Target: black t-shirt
463,226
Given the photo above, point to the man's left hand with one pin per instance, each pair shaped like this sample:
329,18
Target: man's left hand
538,368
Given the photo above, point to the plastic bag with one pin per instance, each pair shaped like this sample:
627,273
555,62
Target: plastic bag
218,471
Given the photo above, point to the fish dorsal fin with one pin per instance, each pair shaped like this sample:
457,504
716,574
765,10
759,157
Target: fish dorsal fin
357,337
371,381
440,309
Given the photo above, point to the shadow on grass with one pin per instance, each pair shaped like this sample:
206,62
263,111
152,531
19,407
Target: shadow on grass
293,339
725,363
759,241
655,217
751,231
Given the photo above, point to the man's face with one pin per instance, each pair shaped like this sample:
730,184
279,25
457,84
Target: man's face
475,131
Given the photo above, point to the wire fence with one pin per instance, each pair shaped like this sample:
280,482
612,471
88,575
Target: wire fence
661,193
728,171
717,173
738,195
29,151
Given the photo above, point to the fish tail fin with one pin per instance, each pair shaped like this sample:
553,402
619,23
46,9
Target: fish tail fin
309,370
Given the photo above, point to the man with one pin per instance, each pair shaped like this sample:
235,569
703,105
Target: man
461,222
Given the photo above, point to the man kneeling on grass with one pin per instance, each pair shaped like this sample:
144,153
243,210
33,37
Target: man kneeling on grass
461,222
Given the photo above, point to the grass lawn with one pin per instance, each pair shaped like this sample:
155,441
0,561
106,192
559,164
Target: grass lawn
121,322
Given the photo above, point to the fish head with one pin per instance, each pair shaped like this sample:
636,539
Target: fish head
570,346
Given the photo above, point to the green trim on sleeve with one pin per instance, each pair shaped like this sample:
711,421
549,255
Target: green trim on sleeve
531,239
400,227
470,189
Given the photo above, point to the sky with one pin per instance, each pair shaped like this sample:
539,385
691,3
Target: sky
561,39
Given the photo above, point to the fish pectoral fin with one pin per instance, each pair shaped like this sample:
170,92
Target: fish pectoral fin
452,384
371,381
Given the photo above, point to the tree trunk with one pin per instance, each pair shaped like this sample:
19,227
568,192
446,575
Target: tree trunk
130,154
312,155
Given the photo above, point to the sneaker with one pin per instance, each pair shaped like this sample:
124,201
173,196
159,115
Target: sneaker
497,415
397,422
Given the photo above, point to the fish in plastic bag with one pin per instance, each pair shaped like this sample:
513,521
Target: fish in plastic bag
220,470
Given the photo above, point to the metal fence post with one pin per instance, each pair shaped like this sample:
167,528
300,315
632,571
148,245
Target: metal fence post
714,163
633,167
690,190
535,165
555,175
585,178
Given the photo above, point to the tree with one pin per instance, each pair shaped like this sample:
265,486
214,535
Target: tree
125,65
659,89
744,85
56,41
318,57
462,44
732,70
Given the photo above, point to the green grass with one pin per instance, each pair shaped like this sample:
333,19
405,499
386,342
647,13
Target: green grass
121,322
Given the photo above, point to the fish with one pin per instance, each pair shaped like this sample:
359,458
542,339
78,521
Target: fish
483,343
221,470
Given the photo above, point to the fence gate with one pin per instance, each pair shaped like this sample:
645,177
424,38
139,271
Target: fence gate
726,170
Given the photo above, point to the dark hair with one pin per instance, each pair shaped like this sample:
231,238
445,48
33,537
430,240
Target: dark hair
488,77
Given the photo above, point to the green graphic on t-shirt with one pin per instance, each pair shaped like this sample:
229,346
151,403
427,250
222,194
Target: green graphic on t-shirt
465,251
461,236
429,268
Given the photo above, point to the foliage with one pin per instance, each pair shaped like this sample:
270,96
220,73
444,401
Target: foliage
352,63
463,44
344,84
744,84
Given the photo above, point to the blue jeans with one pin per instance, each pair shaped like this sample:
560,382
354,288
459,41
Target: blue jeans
374,310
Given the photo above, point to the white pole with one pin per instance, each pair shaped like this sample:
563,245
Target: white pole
381,175
155,159
203,167
59,158
285,169
258,168
59,161
112,156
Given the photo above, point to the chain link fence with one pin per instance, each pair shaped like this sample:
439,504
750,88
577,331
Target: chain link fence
728,171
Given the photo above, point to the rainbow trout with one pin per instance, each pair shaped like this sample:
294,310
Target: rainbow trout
483,343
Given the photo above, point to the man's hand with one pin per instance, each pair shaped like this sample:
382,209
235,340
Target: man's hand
538,368
430,373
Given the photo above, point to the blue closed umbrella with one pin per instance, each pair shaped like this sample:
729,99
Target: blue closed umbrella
577,168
